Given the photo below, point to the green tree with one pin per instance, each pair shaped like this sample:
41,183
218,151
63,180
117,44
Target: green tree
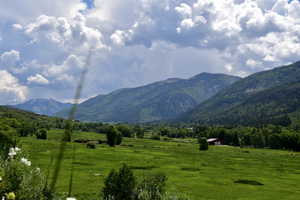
125,130
119,138
120,185
41,134
27,129
139,131
68,131
112,136
203,144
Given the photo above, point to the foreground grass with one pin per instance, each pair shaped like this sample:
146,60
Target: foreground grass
207,175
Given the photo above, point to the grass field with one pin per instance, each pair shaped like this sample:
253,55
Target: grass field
201,175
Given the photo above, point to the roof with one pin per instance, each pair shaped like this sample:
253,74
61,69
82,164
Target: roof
213,139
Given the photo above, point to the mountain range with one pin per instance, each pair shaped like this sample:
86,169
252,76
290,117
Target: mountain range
265,97
43,106
162,100
268,97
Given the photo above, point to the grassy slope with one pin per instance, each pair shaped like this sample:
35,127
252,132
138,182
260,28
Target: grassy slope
9,112
201,175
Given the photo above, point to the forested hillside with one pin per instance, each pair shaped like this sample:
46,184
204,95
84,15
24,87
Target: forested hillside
158,101
265,97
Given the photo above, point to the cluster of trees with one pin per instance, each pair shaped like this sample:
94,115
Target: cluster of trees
20,123
13,128
124,185
173,132
115,133
271,136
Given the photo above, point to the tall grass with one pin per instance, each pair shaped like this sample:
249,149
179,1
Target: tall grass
68,131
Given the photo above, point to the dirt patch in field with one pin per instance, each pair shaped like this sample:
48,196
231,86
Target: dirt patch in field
248,182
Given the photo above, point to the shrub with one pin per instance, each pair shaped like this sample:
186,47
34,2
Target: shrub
139,131
119,138
41,134
155,137
203,144
7,141
91,145
152,187
68,132
119,185
20,180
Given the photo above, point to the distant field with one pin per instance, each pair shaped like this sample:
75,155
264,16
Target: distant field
207,175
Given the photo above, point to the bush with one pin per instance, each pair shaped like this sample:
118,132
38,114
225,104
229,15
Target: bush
119,138
203,144
20,180
91,145
119,185
7,141
155,137
152,187
68,132
41,134
139,131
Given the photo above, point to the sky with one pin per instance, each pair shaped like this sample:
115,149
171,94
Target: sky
44,44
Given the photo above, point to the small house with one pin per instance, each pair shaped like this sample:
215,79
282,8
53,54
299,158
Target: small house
214,141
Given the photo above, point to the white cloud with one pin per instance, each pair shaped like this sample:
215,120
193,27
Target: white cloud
184,10
10,58
37,79
137,42
11,90
24,11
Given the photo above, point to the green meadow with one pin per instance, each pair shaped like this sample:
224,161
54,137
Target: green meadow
221,173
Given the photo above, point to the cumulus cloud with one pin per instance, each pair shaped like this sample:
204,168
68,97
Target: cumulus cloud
10,58
138,42
24,11
11,90
38,79
262,30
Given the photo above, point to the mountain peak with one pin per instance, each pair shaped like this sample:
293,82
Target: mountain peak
206,75
43,106
161,100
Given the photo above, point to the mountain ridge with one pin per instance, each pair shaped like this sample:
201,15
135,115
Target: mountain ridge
43,106
156,101
236,94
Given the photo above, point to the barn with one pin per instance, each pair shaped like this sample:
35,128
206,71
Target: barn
214,141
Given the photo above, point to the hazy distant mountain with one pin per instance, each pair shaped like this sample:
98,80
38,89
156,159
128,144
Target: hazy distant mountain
43,106
265,97
157,101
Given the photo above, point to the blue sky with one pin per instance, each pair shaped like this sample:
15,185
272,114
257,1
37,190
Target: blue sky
43,44
90,3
